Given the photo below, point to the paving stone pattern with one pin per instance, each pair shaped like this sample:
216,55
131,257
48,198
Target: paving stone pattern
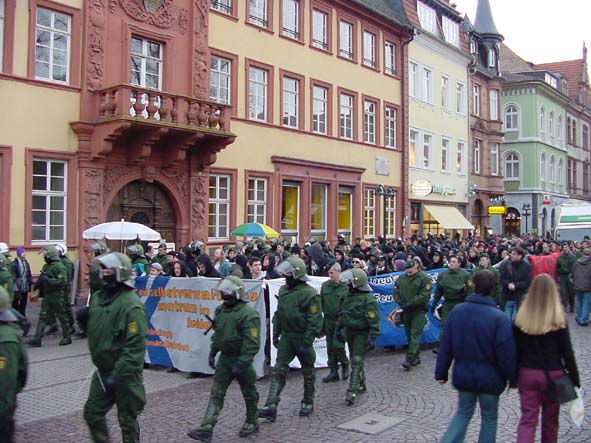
412,405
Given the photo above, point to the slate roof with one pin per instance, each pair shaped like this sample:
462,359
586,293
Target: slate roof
511,62
392,10
484,22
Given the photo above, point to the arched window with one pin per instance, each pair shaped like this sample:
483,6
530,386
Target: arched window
568,129
543,167
512,166
551,171
559,130
559,172
551,125
492,58
542,122
511,121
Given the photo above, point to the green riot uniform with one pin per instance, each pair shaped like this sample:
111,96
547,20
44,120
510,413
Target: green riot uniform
7,282
237,337
13,376
361,319
69,266
332,295
296,323
453,285
117,329
498,295
564,267
161,259
413,294
55,280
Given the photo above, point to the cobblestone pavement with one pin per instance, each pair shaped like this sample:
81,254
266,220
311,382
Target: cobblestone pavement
416,407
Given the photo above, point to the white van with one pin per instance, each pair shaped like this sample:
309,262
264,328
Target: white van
574,222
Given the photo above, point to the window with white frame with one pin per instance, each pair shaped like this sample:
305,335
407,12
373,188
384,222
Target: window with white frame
445,153
257,13
220,80
413,80
369,213
559,131
427,85
476,98
257,94
346,116
511,166
146,63
319,109
291,89
390,58
543,123
559,172
511,118
412,147
291,20
476,158
494,158
451,31
391,122
543,167
49,199
257,200
369,49
1,31
445,92
53,34
551,167
551,126
427,17
460,98
219,206
369,122
390,215
493,100
585,137
319,29
346,39
460,158
224,6
427,151
492,57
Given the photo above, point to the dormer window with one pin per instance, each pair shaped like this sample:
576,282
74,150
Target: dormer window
451,31
427,17
492,58
473,46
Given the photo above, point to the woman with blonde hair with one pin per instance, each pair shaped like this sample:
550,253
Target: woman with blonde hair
543,349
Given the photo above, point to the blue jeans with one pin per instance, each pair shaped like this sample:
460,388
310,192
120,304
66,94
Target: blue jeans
583,299
489,406
511,309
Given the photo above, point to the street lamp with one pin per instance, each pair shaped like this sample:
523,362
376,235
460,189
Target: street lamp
526,208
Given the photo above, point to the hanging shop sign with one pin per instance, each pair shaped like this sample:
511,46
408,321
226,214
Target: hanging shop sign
422,188
497,210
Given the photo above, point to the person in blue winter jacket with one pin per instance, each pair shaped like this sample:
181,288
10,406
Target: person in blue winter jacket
479,339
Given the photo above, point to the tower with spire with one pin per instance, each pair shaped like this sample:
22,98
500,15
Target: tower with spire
485,40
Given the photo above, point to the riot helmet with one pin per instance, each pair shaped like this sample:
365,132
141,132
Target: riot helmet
4,248
357,279
99,248
120,264
196,247
292,267
4,262
232,288
135,251
50,253
62,248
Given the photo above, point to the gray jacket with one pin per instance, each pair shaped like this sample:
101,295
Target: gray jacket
582,274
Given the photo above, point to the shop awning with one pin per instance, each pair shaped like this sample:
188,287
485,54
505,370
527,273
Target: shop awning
449,217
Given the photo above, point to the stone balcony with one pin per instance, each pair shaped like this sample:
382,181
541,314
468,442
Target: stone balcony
159,122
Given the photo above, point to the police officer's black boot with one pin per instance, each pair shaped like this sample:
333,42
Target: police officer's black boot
269,411
205,431
333,375
307,405
353,390
251,424
131,434
344,371
35,342
200,434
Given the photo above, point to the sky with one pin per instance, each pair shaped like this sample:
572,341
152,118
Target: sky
540,31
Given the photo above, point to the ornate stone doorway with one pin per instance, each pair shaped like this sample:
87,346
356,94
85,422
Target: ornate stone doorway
145,203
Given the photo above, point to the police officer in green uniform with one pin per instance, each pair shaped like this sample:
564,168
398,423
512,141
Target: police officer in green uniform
360,320
117,329
160,257
484,264
136,254
296,323
237,329
6,280
412,292
454,285
332,294
564,268
13,368
69,265
52,281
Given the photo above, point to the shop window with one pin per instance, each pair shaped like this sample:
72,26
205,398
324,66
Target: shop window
318,211
290,214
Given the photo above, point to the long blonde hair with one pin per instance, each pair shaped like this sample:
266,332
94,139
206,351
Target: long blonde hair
541,310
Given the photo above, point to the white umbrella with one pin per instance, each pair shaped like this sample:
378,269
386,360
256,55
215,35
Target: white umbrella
121,230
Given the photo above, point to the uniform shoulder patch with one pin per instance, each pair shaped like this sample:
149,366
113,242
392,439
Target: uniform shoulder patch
132,327
371,314
313,309
254,332
3,361
428,286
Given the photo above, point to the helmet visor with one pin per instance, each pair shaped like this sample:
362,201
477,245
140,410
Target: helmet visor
228,286
347,276
286,268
